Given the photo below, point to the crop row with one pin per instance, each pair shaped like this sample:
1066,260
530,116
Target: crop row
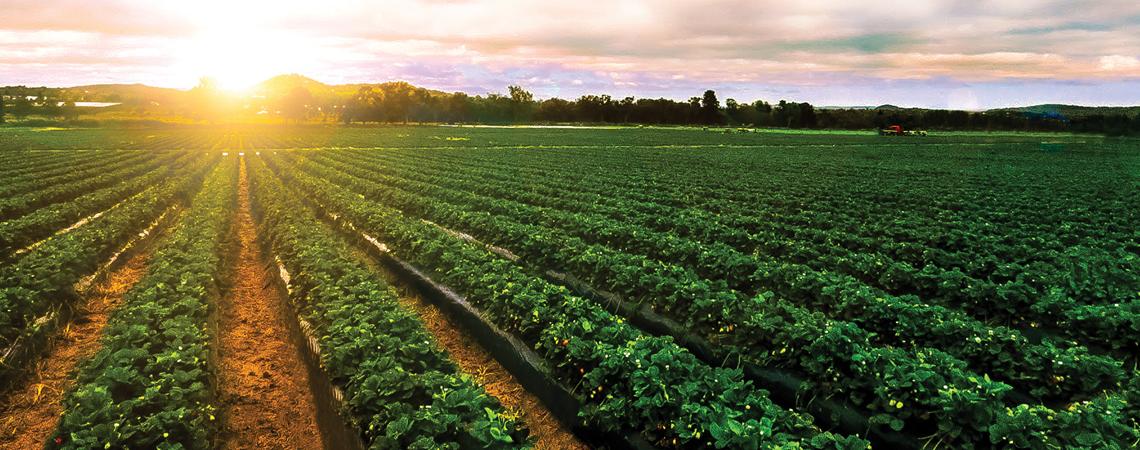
403,391
263,137
841,193
89,180
149,384
628,380
27,229
561,241
16,163
837,202
837,356
43,280
66,171
26,173
847,184
1102,275
847,366
819,233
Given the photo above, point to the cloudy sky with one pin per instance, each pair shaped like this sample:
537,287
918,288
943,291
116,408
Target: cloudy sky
938,53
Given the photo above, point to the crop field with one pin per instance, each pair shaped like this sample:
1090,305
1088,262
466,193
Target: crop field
517,287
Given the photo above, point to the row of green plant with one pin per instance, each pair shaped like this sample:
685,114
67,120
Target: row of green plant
778,332
18,163
63,170
31,170
402,390
1087,274
1081,275
567,241
1091,227
25,230
36,178
628,381
43,280
821,229
1000,191
205,138
149,385
91,179
837,357
262,137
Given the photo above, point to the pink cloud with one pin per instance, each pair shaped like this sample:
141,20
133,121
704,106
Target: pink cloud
624,45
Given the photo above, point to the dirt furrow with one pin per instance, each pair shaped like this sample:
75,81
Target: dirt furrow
31,410
547,431
264,392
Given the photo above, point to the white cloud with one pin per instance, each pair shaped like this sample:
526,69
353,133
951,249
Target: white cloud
637,43
1120,63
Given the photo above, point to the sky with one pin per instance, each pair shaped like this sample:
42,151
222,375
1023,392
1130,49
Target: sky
962,54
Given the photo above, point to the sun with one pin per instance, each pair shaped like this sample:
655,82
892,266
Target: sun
236,46
235,60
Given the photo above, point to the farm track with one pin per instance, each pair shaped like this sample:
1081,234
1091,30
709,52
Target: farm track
264,391
547,431
32,409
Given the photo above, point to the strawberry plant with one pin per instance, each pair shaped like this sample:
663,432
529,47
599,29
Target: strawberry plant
148,386
402,390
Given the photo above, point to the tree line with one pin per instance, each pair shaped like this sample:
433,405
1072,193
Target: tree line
21,102
401,102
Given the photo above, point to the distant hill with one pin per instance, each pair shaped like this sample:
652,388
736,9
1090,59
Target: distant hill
128,94
845,107
1072,111
282,84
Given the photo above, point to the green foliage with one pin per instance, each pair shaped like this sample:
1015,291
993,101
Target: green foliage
42,280
972,287
627,380
402,390
40,223
147,386
640,245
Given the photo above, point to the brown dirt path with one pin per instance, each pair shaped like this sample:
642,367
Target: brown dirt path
31,410
264,393
547,431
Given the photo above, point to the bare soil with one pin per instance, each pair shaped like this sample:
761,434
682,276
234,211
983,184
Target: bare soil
548,432
264,393
31,410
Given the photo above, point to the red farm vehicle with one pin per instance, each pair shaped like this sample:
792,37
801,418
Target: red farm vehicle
897,130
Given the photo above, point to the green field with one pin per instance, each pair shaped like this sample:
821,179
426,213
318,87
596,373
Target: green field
690,288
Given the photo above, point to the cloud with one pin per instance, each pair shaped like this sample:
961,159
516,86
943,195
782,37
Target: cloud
620,46
1113,63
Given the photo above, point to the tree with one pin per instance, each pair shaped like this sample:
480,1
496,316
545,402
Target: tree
625,108
782,114
69,111
364,106
594,108
732,111
295,104
206,101
522,103
807,115
457,107
398,101
1,107
21,106
555,110
763,113
710,108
